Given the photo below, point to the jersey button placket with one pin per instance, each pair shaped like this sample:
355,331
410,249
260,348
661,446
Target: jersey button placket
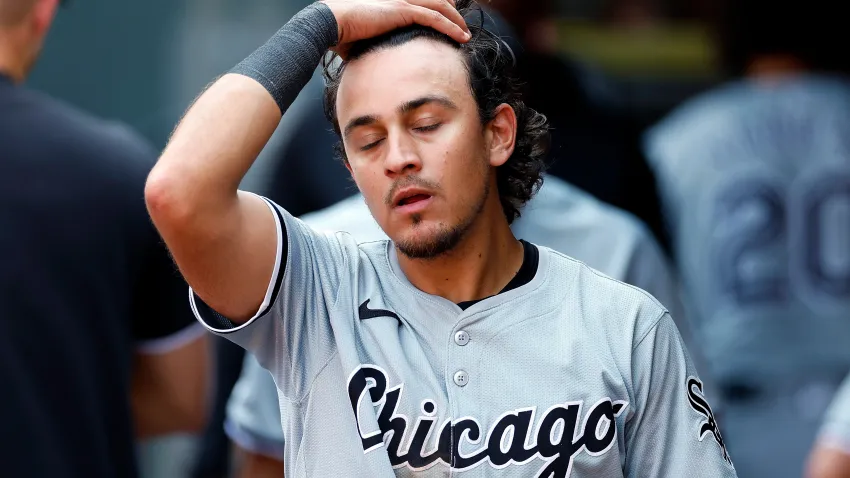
461,377
462,393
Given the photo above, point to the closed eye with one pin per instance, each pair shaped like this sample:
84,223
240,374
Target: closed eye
427,128
371,145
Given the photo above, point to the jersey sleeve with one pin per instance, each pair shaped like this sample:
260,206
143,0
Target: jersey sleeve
253,412
673,432
290,334
835,431
651,270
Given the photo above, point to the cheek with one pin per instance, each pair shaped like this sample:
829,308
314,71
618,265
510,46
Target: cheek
370,182
460,153
464,172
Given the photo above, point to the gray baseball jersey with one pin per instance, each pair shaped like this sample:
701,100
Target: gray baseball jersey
560,216
755,178
835,431
571,374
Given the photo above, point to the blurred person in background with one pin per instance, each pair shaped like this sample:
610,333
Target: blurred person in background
98,346
831,456
212,457
755,177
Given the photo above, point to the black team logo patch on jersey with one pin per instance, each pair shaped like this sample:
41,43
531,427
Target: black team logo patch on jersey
562,432
696,397
366,313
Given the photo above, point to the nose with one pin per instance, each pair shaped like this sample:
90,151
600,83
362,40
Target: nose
402,155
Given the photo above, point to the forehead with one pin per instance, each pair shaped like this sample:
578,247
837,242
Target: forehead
377,83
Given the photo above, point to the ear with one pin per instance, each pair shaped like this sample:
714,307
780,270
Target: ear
500,133
43,13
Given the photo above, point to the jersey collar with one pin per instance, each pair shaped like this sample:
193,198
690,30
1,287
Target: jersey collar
539,277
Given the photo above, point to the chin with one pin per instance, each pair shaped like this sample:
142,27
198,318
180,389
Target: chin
428,241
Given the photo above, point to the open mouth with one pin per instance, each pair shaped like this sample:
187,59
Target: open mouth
413,199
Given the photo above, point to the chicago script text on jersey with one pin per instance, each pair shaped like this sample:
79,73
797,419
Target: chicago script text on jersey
562,432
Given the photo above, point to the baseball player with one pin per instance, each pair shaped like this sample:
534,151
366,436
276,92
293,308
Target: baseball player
755,176
831,456
452,347
559,216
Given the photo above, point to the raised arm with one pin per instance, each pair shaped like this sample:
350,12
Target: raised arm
225,241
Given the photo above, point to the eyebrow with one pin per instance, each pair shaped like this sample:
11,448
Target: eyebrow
359,121
405,108
411,105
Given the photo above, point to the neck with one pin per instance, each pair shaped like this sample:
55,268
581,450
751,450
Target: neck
482,263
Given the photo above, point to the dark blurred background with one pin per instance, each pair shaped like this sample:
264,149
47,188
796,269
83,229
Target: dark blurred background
143,62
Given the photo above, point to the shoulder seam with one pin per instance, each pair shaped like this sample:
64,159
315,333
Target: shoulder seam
608,278
309,390
649,329
654,323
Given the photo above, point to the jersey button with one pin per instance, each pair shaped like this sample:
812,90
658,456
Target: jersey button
461,378
461,338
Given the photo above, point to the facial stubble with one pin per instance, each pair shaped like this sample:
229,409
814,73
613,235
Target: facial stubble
445,238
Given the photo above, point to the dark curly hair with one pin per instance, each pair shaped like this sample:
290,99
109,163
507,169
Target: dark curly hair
490,64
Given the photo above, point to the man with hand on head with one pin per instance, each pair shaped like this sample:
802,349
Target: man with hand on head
416,355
